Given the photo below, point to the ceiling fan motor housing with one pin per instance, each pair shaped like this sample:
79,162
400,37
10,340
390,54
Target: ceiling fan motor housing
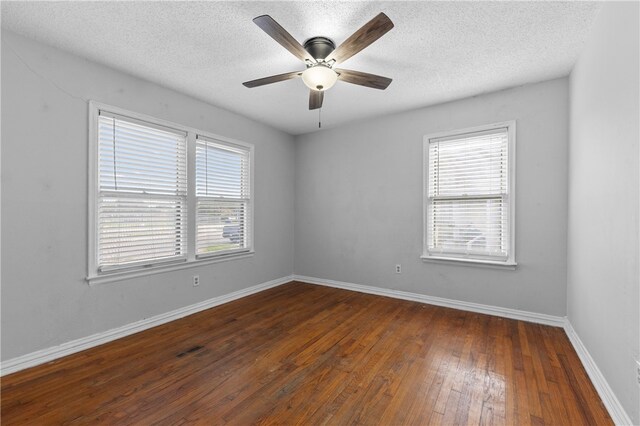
319,47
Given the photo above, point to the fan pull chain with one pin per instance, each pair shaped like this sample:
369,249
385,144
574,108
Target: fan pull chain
319,118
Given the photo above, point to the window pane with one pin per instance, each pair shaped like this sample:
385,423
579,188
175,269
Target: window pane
469,226
221,172
469,166
139,159
133,230
221,226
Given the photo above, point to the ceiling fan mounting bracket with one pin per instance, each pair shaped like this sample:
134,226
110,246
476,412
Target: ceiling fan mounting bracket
319,47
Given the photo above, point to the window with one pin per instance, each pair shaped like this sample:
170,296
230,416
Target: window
142,194
469,200
222,197
163,195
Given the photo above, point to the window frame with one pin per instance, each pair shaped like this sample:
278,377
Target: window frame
94,276
466,259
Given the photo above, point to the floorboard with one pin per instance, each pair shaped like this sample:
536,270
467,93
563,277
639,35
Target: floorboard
307,354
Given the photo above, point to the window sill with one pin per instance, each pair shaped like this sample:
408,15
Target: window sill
125,275
469,262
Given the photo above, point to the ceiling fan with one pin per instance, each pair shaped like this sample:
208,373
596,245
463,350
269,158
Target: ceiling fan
320,56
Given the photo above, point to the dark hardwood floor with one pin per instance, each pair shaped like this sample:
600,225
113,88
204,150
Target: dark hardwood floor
306,354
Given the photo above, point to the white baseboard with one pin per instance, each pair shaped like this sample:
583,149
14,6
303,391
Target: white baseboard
50,354
439,301
616,411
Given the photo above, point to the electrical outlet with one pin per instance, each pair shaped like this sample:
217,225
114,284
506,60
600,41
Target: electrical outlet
196,280
398,269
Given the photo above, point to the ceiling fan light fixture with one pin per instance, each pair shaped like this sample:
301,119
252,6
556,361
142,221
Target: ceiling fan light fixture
319,77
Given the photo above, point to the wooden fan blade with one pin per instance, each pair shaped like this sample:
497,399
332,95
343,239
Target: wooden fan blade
315,99
279,34
272,79
363,79
370,32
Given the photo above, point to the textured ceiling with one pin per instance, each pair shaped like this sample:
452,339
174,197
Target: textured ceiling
437,52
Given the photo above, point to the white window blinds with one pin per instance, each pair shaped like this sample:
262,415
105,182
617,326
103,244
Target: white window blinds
223,197
142,191
468,196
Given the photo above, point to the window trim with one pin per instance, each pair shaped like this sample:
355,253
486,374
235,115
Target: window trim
93,275
510,262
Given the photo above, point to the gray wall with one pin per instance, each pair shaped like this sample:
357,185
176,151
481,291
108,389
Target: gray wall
45,300
603,253
359,201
